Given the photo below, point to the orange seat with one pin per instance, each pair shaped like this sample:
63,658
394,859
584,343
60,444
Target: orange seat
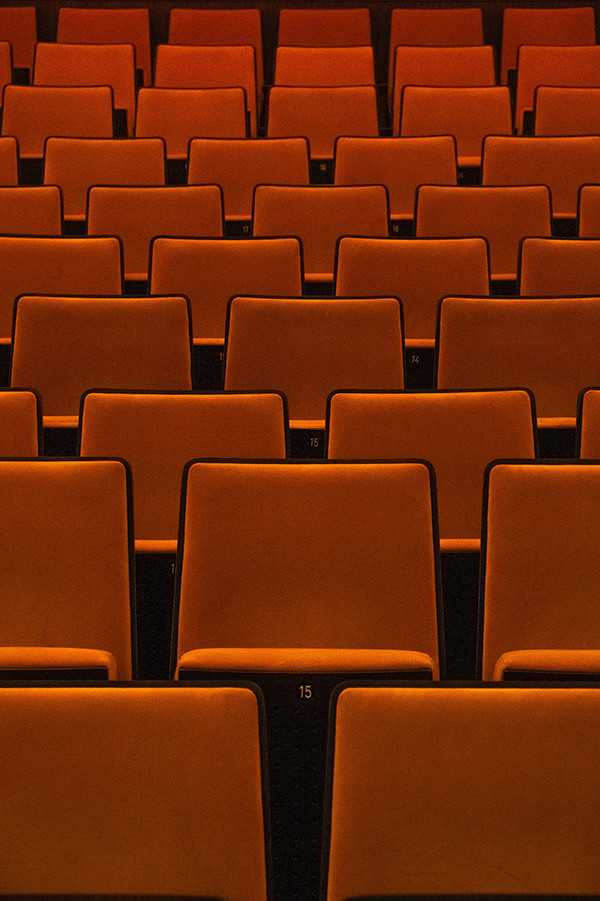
467,113
588,424
541,160
193,66
75,164
221,27
138,214
211,270
401,164
154,756
418,271
308,347
63,346
31,210
552,65
566,111
9,161
157,433
319,215
82,25
239,165
321,114
90,64
459,432
324,66
588,211
18,26
559,266
54,265
324,27
180,114
66,525
501,214
32,113
468,66
20,423
546,344
432,790
552,25
534,551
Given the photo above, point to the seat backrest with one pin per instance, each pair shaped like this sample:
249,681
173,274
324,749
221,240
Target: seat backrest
101,342
324,27
239,165
9,161
588,424
559,266
77,163
322,114
31,210
54,265
552,25
319,215
553,65
432,791
219,26
418,271
533,551
588,212
459,432
180,752
209,66
158,433
6,71
33,112
90,64
459,66
20,423
179,114
546,344
566,111
434,27
18,26
137,214
211,270
519,160
308,347
82,25
353,568
324,66
467,113
401,164
66,528
501,214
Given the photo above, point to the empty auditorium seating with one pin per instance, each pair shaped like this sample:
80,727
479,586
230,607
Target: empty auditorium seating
566,110
501,214
324,66
18,26
239,165
540,541
75,164
173,787
401,164
432,791
547,344
158,433
467,113
211,270
308,347
459,432
68,592
63,346
31,210
325,27
419,271
559,266
90,64
319,215
114,25
54,265
20,423
550,25
137,214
